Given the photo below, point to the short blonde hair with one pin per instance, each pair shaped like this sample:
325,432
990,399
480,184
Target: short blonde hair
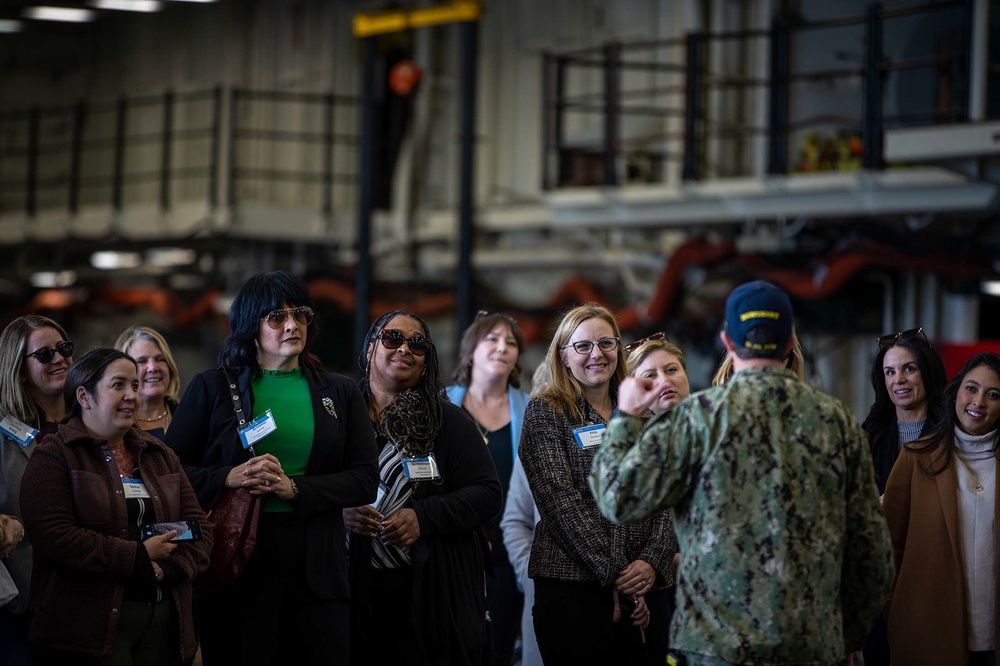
564,391
129,336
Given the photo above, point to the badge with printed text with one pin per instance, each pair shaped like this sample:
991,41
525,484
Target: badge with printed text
330,409
258,429
18,431
135,489
589,436
421,469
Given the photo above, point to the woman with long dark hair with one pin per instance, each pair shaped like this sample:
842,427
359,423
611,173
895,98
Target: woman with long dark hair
290,604
417,569
908,378
940,505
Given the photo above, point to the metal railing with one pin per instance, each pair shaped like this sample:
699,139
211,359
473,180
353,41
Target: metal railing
175,146
592,84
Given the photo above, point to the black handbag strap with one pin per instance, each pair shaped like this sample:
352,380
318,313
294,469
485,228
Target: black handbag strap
237,401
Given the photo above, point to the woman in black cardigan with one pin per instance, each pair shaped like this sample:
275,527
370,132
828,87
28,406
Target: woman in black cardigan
290,604
416,552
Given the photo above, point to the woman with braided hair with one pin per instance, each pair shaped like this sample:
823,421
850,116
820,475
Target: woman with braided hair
416,553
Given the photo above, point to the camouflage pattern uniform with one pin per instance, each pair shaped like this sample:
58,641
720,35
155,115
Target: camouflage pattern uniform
785,556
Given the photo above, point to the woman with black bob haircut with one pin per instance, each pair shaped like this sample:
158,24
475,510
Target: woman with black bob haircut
908,378
316,456
106,591
417,573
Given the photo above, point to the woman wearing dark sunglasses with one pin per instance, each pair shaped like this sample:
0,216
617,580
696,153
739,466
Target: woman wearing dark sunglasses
35,353
590,574
290,604
417,570
908,378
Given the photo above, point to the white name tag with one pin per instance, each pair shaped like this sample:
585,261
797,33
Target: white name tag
589,436
18,431
135,489
421,469
258,429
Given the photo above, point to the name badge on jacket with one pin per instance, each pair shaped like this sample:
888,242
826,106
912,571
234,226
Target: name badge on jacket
135,489
421,469
21,433
590,436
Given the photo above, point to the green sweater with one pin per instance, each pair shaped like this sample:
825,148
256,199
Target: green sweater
286,394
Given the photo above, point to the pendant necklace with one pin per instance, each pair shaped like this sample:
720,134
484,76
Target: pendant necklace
978,487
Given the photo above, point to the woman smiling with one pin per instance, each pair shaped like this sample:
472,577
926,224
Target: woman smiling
940,505
159,383
589,573
102,594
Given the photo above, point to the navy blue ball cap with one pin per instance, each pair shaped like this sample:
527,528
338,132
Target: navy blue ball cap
756,304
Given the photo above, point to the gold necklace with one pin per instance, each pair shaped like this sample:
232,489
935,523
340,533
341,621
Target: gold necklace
975,477
164,413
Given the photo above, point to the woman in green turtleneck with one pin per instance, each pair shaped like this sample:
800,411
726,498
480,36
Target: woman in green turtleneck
290,604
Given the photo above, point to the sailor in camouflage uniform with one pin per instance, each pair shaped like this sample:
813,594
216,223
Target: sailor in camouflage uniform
785,554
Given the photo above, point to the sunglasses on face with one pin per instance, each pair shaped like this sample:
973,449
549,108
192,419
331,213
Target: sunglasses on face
587,346
276,318
649,338
393,339
46,354
890,339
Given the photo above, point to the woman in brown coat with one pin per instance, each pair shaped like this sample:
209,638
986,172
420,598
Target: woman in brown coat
100,594
940,505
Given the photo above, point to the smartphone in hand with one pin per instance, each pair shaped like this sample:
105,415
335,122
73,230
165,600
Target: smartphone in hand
187,530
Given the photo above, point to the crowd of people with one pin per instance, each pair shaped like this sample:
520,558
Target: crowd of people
609,516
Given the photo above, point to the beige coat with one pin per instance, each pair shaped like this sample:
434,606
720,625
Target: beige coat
927,614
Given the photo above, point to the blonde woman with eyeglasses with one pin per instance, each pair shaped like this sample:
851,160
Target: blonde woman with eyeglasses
307,450
591,575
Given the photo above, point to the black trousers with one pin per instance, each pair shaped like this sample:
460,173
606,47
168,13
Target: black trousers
505,603
270,616
573,625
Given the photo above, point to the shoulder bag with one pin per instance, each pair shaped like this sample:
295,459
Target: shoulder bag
234,520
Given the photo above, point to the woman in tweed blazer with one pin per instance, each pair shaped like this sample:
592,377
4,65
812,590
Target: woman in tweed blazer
590,574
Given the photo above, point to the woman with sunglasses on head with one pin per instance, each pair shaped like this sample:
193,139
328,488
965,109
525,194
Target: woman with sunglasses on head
487,380
307,450
35,353
655,357
908,378
940,506
159,384
590,574
417,569
109,591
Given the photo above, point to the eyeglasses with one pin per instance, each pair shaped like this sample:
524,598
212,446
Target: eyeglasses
586,346
890,339
393,339
649,338
276,318
46,354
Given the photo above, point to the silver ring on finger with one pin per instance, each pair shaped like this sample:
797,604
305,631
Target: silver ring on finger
267,484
